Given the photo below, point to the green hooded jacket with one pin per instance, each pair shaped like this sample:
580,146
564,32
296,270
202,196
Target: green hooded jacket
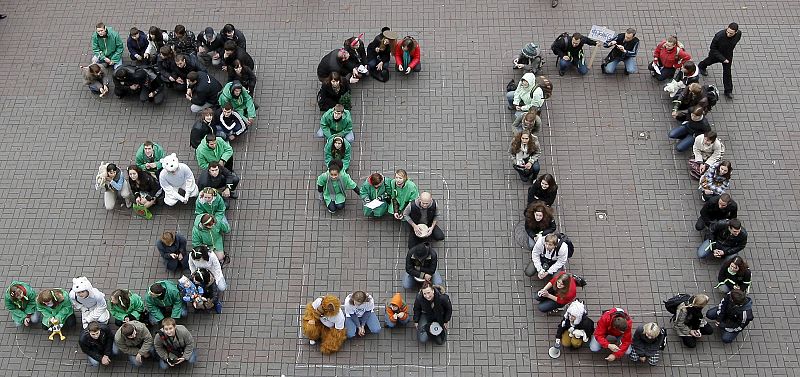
206,155
329,153
135,308
243,105
403,195
141,158
209,237
172,297
370,193
216,208
337,186
109,47
24,307
61,311
331,127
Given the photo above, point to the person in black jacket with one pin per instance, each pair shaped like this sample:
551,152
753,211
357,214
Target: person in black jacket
182,41
97,342
539,221
623,49
165,62
570,53
431,306
152,87
574,330
182,66
734,274
208,123
124,83
421,263
379,53
721,207
544,189
244,75
733,314
210,47
689,129
358,57
202,90
647,342
137,45
334,91
210,297
233,53
221,179
334,61
723,239
721,51
145,187
422,210
230,33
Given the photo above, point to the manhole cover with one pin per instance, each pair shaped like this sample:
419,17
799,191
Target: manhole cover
601,214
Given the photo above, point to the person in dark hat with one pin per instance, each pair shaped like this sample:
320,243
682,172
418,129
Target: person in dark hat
379,53
421,263
210,47
151,85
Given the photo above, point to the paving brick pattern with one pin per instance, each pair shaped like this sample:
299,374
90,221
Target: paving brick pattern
449,128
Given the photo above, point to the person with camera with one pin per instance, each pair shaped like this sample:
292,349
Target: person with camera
547,258
432,313
421,215
623,50
174,345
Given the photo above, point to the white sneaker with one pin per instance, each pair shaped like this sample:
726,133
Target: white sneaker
312,342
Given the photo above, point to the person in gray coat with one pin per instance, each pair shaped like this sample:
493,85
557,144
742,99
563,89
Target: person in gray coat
134,339
174,344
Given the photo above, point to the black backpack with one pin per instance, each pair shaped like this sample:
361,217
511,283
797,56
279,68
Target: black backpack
563,38
712,93
672,303
562,238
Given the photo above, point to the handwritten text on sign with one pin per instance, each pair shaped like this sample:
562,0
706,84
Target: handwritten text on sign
601,34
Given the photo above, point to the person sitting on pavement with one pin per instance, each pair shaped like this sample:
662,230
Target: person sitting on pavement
107,47
707,150
557,293
668,57
164,300
148,157
95,79
182,41
407,55
209,47
336,122
337,148
359,314
723,239
231,123
379,53
334,91
156,38
525,151
137,45
55,307
234,94
174,345
544,189
208,124
716,180
20,300
231,33
733,314
126,306
114,186
432,314
202,258
124,82
421,215
172,248
232,53
575,329
211,202
549,255
208,231
624,48
421,264
358,57
570,53
721,207
527,96
97,342
690,129
402,192
539,221
209,299
134,339
221,179
202,90
182,67
335,61
734,274
375,187
396,312
214,149
243,74
90,301
145,187
692,97
613,332
332,185
177,181
530,121
647,342
689,323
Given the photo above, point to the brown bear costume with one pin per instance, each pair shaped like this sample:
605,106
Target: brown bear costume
320,324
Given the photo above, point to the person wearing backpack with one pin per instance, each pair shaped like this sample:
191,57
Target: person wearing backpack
721,51
614,325
560,291
668,57
570,52
688,321
549,255
648,341
733,314
623,49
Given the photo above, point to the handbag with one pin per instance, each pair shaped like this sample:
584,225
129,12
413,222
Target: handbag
695,169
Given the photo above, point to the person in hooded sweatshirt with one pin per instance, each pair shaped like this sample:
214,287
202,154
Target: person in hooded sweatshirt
528,95
107,47
90,301
202,90
97,342
396,312
20,299
239,98
733,314
576,328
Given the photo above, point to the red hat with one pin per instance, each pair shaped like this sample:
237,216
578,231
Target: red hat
354,43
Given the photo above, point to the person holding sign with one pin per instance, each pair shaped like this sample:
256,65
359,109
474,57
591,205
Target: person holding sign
570,53
623,49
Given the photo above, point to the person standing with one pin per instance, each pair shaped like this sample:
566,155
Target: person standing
721,51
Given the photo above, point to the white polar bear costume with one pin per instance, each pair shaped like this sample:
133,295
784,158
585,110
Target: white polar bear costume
93,307
176,176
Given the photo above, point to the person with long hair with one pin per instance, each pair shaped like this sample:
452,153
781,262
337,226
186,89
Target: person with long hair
357,63
716,180
525,150
144,186
95,80
734,274
432,305
558,292
544,189
688,321
114,186
202,258
334,90
156,39
403,191
359,312
126,306
332,186
55,307
210,297
208,231
407,55
539,221
379,53
338,148
20,300
244,75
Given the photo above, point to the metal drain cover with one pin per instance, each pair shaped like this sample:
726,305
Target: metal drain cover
643,135
601,214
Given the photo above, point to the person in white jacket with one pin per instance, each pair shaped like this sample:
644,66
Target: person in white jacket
201,257
547,258
708,149
90,301
359,312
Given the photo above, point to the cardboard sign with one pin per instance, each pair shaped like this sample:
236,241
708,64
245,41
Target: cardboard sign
601,34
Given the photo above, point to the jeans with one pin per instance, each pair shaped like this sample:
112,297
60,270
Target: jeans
103,64
96,363
197,108
369,320
166,312
409,282
36,317
547,305
413,240
666,73
510,99
333,206
383,74
349,136
685,135
727,336
401,322
526,175
564,65
423,336
192,359
132,358
727,79
630,65
595,346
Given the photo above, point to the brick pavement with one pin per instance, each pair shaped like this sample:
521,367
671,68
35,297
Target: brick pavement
449,128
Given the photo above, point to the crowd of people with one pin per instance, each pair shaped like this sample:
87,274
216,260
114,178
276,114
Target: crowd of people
327,319
724,237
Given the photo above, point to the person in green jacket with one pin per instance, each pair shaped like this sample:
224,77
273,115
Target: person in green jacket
337,148
212,149
21,303
402,191
241,100
208,231
55,306
332,185
126,306
164,300
107,46
375,187
211,202
148,157
336,122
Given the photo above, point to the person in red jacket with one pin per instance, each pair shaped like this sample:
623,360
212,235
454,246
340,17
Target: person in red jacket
615,324
668,57
559,292
407,55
